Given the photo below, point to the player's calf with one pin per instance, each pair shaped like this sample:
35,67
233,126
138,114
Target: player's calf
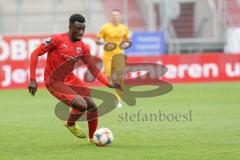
92,117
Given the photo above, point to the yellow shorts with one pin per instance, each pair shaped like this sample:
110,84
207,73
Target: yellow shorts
114,64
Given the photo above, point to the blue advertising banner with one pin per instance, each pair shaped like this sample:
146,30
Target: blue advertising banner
147,44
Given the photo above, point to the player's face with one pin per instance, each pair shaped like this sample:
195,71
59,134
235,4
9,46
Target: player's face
76,30
116,17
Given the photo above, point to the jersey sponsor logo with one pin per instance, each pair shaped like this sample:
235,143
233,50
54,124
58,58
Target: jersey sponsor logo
69,58
66,57
47,41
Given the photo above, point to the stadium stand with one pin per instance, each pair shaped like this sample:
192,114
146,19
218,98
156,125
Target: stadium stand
189,25
31,17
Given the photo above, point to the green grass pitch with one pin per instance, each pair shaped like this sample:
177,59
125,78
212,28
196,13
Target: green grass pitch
29,129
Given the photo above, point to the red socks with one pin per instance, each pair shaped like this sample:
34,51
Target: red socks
92,118
73,117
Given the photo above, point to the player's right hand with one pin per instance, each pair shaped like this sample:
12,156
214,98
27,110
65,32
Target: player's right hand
32,87
116,86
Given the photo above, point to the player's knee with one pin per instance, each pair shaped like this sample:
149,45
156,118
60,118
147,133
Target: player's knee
91,105
80,104
79,107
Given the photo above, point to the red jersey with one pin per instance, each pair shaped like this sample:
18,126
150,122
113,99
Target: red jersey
61,50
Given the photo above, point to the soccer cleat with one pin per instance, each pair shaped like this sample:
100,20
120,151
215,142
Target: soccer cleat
90,141
76,130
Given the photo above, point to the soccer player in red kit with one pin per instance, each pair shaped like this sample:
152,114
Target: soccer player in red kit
63,49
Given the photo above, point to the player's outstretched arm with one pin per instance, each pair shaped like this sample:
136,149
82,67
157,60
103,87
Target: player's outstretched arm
96,73
32,86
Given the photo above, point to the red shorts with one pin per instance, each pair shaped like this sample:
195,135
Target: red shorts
67,91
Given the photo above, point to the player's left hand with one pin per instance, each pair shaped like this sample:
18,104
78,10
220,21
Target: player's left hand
116,86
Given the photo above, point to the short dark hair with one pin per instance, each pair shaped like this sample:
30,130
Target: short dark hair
76,17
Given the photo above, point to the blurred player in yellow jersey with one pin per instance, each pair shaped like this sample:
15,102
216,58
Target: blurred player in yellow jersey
114,32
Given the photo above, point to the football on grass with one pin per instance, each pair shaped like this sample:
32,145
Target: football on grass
102,137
